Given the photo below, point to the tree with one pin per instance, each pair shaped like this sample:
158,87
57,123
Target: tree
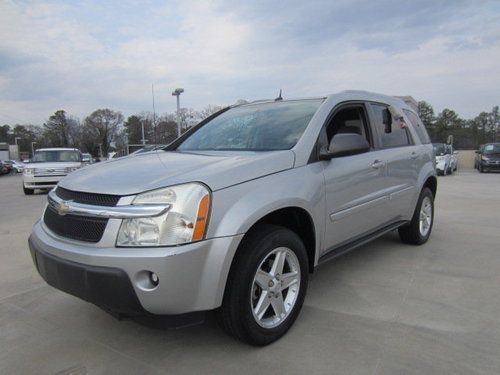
101,128
481,123
447,122
56,129
426,114
166,129
208,111
5,135
494,123
133,129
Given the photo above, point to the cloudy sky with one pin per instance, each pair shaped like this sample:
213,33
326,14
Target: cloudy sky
84,55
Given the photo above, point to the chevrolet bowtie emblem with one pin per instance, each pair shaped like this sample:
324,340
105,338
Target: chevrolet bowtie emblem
62,208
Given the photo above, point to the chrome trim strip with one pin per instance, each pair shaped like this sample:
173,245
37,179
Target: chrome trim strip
339,215
117,212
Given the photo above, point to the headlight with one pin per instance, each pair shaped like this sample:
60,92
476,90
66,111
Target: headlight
70,169
485,158
29,170
185,221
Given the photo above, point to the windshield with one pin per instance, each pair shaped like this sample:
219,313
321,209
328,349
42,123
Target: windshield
257,127
441,149
492,148
56,156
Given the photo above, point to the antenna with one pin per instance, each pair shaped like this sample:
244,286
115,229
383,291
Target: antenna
279,97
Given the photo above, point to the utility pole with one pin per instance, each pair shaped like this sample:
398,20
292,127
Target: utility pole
33,149
177,92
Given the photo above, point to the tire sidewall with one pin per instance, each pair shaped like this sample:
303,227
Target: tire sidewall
278,238
425,193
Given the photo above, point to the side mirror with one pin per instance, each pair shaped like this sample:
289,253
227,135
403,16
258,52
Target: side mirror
344,145
477,151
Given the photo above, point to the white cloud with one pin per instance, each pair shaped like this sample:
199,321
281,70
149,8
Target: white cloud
62,56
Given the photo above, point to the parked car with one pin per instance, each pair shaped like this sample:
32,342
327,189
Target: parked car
445,159
236,213
4,169
87,158
48,166
6,166
454,158
16,165
477,157
488,157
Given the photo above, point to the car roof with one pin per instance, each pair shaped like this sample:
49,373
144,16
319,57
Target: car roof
343,96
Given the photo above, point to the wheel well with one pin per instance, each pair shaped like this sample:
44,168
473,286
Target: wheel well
297,220
431,183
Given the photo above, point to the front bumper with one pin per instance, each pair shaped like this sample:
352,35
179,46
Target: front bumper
191,277
490,166
107,287
442,167
41,182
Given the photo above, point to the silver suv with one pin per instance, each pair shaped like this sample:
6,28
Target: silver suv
235,214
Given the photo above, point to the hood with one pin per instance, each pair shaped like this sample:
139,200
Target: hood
442,157
53,165
492,157
157,169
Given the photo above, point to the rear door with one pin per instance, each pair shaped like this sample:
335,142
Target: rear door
404,159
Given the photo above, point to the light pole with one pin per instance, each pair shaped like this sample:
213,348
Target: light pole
33,149
177,92
143,139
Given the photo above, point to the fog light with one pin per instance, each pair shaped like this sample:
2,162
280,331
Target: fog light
146,280
154,278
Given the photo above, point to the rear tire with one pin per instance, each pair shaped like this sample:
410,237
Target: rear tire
258,315
418,231
28,191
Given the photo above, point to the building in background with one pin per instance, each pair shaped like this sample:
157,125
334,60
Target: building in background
4,151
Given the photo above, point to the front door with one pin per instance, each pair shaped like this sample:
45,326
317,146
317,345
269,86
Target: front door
356,185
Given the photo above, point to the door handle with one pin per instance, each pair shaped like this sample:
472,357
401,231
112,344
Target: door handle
414,155
377,164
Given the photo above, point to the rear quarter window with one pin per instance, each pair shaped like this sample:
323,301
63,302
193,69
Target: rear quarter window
418,125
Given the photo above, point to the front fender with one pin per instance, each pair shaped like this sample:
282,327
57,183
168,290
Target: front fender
237,208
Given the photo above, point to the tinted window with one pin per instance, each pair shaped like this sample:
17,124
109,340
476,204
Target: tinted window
398,135
418,126
492,148
56,156
441,149
256,127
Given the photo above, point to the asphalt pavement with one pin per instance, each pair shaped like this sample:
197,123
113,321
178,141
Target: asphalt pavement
385,308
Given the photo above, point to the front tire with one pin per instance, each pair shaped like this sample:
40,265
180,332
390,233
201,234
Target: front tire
266,286
418,231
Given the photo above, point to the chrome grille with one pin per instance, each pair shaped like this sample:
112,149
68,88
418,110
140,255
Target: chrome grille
40,172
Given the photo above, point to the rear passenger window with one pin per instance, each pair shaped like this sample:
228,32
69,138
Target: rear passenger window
418,125
397,137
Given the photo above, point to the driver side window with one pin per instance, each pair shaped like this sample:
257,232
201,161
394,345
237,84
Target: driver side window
350,119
